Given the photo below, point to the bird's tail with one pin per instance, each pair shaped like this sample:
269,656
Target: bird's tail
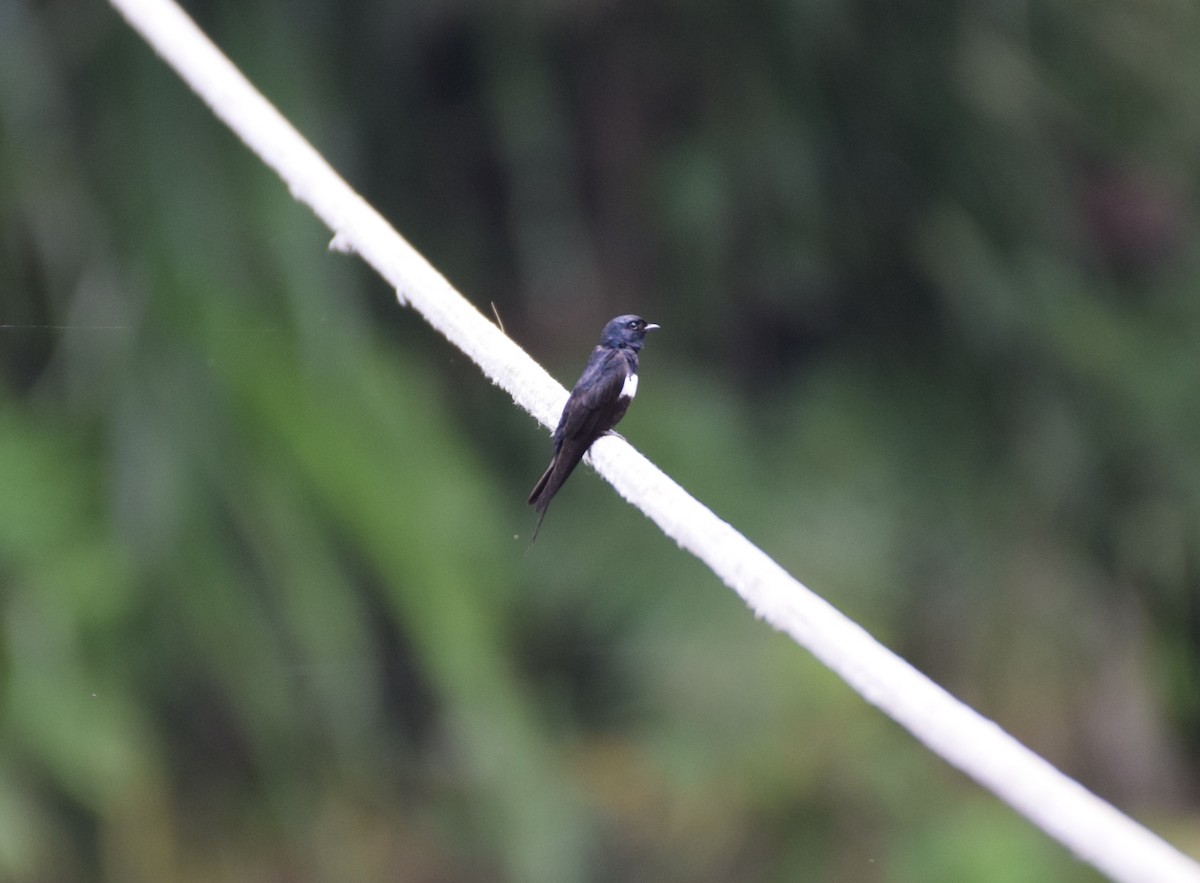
537,527
541,495
539,499
548,485
539,489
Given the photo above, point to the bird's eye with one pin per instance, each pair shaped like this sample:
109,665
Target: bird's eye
632,324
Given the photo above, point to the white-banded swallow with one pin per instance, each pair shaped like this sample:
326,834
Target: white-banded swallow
597,403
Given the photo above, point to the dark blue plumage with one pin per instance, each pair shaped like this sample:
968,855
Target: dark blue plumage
597,403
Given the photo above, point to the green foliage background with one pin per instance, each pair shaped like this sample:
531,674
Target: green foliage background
928,278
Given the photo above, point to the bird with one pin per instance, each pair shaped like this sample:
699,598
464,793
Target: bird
597,403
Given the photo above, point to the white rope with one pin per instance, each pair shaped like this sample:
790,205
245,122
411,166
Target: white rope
1087,825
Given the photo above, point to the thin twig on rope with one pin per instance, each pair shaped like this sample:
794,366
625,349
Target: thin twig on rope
1090,827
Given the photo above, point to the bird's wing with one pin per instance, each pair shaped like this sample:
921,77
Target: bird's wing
595,395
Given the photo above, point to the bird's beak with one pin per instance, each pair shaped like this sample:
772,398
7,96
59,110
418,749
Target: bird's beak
652,327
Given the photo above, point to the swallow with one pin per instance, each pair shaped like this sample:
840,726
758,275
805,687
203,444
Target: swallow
598,402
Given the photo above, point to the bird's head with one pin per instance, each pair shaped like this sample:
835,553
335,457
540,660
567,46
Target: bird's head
626,331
